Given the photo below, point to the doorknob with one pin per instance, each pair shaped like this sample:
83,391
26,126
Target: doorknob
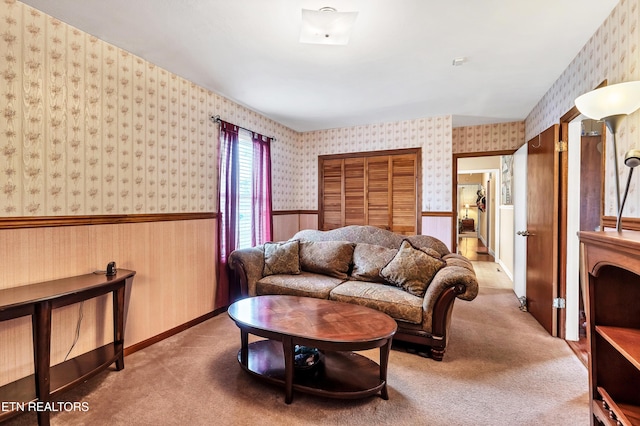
524,233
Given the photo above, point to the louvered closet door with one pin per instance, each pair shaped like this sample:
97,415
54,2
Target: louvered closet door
379,189
378,192
354,191
404,194
331,195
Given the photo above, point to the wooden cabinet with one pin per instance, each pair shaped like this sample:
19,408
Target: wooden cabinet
468,225
375,188
612,261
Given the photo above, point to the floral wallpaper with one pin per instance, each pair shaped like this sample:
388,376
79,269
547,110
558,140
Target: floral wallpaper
88,128
611,54
488,137
432,134
285,150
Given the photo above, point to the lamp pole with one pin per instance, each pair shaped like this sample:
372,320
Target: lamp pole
613,122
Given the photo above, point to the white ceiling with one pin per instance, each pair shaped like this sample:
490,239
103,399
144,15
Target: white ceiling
397,66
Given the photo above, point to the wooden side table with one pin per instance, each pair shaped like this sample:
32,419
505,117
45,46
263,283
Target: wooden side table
37,301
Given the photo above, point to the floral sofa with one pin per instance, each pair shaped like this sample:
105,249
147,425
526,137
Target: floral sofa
414,279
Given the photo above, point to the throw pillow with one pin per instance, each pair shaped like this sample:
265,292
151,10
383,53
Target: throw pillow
431,252
412,269
281,258
368,260
331,258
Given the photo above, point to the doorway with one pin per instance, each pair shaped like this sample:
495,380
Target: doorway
475,214
494,231
584,207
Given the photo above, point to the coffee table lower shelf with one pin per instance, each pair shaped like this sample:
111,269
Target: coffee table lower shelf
344,375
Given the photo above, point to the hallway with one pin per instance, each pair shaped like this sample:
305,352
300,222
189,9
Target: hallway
472,248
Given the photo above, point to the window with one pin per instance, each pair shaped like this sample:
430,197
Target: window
245,190
244,206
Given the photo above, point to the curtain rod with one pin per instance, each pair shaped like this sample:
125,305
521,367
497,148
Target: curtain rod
216,119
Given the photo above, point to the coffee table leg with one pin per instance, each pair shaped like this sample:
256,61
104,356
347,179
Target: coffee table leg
384,361
244,348
287,348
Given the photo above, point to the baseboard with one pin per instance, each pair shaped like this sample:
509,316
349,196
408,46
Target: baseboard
505,270
155,339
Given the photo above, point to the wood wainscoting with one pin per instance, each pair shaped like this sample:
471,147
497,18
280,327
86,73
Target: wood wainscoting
175,282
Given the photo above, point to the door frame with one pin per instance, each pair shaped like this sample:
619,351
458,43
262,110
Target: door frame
569,116
565,120
520,212
454,188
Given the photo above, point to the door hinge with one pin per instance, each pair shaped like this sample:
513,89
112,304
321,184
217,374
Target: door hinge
559,303
561,146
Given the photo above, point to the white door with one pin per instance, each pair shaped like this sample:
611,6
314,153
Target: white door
520,221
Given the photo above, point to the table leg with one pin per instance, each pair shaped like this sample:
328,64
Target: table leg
118,325
384,361
41,323
287,349
244,348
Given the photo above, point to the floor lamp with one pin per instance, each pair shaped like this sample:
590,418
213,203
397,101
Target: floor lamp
631,160
612,104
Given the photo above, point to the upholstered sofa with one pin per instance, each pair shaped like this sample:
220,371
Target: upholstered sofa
413,279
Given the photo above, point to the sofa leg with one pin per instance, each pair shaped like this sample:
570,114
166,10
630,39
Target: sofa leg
437,353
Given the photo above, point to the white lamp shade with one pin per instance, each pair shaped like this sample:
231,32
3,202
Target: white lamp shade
326,27
617,99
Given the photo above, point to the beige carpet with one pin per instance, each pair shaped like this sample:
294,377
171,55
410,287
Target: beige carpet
501,368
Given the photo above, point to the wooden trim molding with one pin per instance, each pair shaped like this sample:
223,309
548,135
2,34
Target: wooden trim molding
484,154
437,214
290,212
400,151
629,223
175,330
50,221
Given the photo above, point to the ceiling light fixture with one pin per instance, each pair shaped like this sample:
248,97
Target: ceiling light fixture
326,26
458,62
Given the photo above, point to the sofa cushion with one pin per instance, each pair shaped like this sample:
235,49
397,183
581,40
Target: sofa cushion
412,269
368,260
281,258
331,258
393,301
306,284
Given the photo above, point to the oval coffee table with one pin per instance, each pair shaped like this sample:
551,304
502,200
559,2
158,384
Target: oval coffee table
335,328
